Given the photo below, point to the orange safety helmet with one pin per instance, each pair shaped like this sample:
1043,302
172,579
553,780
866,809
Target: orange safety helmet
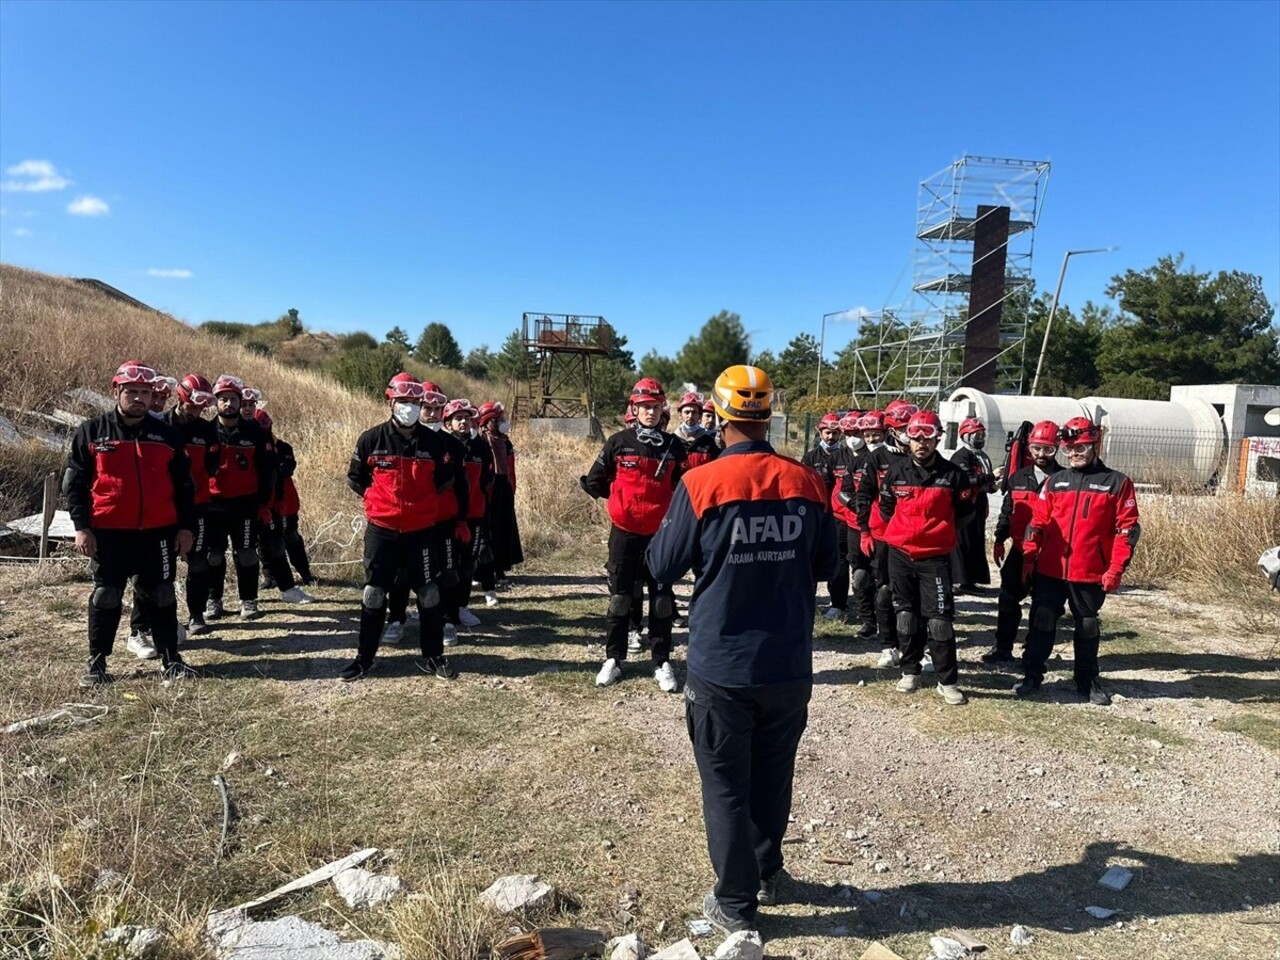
743,393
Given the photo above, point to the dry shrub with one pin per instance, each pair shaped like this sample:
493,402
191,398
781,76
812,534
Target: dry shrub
1199,542
21,467
555,514
445,920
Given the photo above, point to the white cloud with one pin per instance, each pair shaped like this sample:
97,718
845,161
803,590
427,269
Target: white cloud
35,176
170,274
21,232
87,206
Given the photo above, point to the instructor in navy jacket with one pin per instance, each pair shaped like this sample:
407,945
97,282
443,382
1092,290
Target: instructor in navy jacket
756,530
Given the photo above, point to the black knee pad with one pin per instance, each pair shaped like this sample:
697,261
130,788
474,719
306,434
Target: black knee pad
105,598
217,560
1088,628
246,557
941,631
619,605
163,595
373,598
428,596
861,579
1044,618
908,623
664,606
884,598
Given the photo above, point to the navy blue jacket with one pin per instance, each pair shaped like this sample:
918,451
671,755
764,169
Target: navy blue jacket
755,529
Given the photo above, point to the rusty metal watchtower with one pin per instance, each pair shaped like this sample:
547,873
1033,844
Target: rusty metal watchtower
555,379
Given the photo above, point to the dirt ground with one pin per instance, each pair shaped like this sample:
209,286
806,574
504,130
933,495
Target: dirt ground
912,818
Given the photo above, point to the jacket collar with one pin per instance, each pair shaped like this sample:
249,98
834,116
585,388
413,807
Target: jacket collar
748,446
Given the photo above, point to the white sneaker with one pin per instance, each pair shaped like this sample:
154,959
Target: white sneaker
296,595
474,584
467,618
491,598
926,664
909,683
666,678
450,635
832,613
140,646
393,633
633,641
609,674
889,657
952,694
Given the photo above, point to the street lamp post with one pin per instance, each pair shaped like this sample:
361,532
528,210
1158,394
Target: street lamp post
822,346
1053,309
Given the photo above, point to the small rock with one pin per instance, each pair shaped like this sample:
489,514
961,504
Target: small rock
518,892
137,942
362,889
1117,878
944,948
872,896
882,867
630,947
1020,936
840,931
236,938
743,945
684,950
1036,771
1100,913
230,760
701,927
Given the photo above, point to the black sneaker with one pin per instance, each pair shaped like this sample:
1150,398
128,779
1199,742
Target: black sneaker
437,667
268,583
178,669
309,581
96,675
770,895
868,632
197,626
998,656
214,610
712,910
1027,686
354,671
1097,695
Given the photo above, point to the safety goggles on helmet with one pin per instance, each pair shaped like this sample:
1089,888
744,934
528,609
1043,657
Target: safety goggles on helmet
405,390
227,383
1078,432
923,431
197,398
872,420
164,385
132,373
458,408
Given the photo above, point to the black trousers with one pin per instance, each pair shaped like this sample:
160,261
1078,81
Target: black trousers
886,622
233,528
626,569
862,576
1009,605
744,742
149,558
1048,598
507,549
197,582
971,551
481,559
924,605
274,553
838,586
296,548
416,557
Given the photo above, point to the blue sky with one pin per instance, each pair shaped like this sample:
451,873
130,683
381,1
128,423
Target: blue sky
395,164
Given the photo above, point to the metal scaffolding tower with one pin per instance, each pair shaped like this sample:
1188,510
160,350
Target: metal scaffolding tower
555,378
975,234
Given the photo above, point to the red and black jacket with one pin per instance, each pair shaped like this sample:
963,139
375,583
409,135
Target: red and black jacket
286,501
833,466
1084,523
201,439
638,478
863,487
129,477
1021,491
977,464
700,449
247,463
454,502
400,477
478,462
921,504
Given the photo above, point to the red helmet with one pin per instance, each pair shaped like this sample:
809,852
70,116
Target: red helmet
829,421
492,410
972,425
924,425
648,390
404,386
195,390
163,386
1044,433
1080,430
133,372
228,384
455,407
709,407
432,395
899,413
871,420
688,400
849,423
251,396
264,419
629,417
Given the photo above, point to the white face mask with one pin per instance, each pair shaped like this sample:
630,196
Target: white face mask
855,443
436,426
504,427
405,414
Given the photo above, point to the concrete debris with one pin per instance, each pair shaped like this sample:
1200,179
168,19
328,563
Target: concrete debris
518,892
138,943
1100,913
882,867
878,951
72,420
60,529
318,876
74,713
743,945
90,398
969,941
288,938
362,889
944,948
1117,878
701,927
9,435
630,947
684,950
1020,936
